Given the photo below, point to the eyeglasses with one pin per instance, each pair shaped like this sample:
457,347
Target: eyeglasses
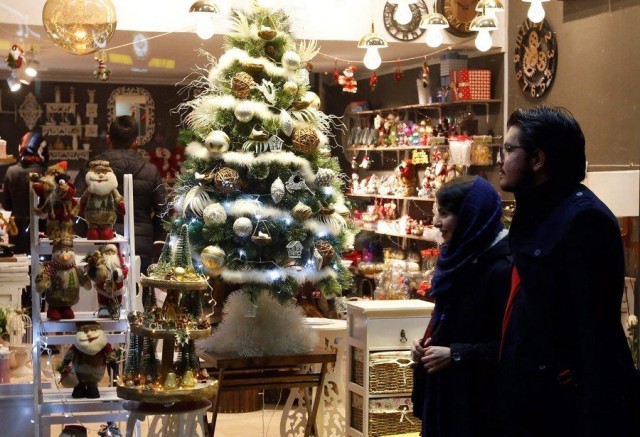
508,148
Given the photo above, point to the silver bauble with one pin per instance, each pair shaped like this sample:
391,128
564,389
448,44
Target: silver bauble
214,214
290,87
244,112
286,123
217,141
277,190
324,177
242,227
291,60
313,99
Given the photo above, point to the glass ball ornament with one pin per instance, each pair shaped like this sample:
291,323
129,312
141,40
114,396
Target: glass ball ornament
214,214
244,112
291,60
242,227
217,141
79,27
212,258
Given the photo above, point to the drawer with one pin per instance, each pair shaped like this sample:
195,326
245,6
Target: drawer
387,333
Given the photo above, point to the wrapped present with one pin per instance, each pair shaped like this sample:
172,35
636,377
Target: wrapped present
452,61
471,84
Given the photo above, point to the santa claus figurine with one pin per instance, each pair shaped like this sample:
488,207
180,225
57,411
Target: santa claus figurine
59,206
88,358
106,268
60,280
407,175
348,82
160,157
101,202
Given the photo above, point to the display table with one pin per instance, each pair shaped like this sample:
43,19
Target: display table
331,410
182,418
285,371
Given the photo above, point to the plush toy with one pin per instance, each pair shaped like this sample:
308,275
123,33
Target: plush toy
348,82
88,358
101,202
106,268
15,57
57,203
407,175
60,280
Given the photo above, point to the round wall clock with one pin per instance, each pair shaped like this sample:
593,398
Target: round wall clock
459,14
535,57
409,31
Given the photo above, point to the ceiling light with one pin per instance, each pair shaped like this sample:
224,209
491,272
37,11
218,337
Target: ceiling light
31,69
372,42
483,24
490,7
23,77
403,13
204,11
434,23
536,10
14,83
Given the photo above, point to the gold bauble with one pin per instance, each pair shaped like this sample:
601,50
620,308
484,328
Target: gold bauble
305,140
212,258
241,84
79,26
217,141
179,271
226,180
290,87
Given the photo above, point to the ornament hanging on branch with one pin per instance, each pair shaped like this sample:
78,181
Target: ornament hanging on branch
261,235
277,190
305,140
241,85
294,249
217,142
295,183
290,87
244,112
373,81
267,31
324,177
301,212
286,123
226,180
242,227
326,250
348,81
214,214
212,258
291,60
398,75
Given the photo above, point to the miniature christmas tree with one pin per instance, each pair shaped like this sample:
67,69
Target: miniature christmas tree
261,175
132,367
150,366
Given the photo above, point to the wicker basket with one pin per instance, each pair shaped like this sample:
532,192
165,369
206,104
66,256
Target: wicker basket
357,419
357,367
393,421
390,372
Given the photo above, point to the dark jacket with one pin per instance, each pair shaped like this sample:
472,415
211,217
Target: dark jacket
149,196
565,322
16,200
455,399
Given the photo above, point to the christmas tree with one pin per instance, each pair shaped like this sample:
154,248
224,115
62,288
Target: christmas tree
259,192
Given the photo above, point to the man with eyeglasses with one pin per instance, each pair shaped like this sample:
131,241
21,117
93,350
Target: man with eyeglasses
564,361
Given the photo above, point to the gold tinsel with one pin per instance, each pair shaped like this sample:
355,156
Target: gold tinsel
305,140
241,84
226,180
326,250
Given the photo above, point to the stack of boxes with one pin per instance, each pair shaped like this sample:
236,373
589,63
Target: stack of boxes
460,83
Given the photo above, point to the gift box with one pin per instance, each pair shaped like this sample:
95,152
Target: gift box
452,61
471,84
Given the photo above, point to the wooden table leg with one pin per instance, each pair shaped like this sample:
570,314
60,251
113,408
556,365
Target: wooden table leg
311,422
216,403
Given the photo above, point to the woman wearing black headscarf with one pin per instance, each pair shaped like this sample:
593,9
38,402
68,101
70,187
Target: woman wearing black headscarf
457,357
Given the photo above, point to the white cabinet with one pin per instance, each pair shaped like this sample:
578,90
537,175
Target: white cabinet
379,375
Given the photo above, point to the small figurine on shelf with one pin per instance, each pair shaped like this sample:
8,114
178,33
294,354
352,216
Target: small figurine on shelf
106,268
60,280
366,162
407,175
59,206
88,358
101,202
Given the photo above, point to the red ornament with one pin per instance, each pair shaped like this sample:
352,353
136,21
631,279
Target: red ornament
15,57
398,75
425,74
336,73
373,81
348,82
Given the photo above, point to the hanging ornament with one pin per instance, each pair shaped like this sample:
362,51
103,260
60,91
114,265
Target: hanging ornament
334,221
275,143
244,112
324,177
242,227
212,258
398,74
303,76
305,140
294,249
348,81
336,73
425,74
261,235
226,180
290,87
102,72
268,90
326,250
373,81
241,84
77,27
286,123
291,60
301,212
217,141
195,201
250,206
15,58
311,100
341,209
214,214
277,190
295,183
316,260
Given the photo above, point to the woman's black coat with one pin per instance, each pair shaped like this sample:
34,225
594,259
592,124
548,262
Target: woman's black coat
455,400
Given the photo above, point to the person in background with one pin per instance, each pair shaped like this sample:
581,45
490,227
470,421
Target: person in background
457,358
34,157
564,359
149,194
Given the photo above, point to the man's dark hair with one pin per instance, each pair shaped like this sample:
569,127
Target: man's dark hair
556,132
451,195
122,132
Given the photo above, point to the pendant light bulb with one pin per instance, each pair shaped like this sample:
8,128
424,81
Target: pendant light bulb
14,83
434,37
372,59
536,11
403,14
483,40
204,26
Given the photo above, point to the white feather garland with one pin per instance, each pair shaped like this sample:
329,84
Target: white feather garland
196,200
231,56
259,276
196,150
321,229
242,159
241,208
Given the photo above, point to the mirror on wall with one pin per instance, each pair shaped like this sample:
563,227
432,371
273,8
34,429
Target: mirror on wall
138,103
